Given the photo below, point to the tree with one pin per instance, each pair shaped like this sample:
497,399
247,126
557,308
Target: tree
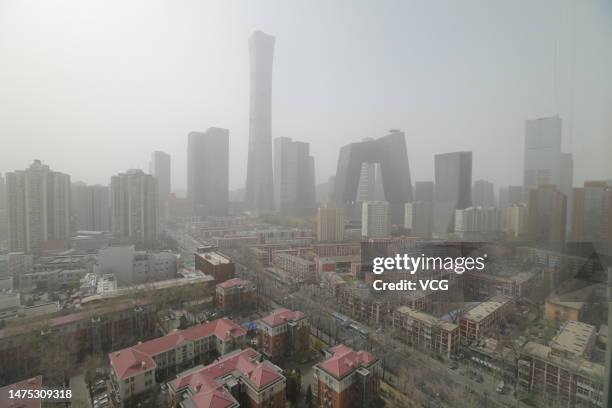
183,322
294,385
309,397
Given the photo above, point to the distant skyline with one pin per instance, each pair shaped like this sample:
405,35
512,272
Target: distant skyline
91,89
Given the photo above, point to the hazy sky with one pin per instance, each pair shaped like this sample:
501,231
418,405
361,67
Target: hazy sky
92,87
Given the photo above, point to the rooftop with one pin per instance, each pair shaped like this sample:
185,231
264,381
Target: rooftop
233,282
34,383
487,307
214,258
282,316
344,360
574,338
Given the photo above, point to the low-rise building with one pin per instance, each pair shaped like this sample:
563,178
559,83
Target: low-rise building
301,269
132,267
52,279
239,379
137,369
214,264
235,295
559,310
483,319
346,378
7,394
426,331
283,332
574,339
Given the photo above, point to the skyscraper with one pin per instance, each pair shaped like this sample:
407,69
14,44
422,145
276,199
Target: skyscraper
418,218
547,212
390,152
293,177
2,193
542,152
38,208
453,188
424,191
134,200
90,207
159,167
330,224
375,219
259,183
208,171
591,219
483,194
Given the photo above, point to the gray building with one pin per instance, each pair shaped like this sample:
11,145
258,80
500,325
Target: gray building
375,219
90,207
134,212
453,188
259,183
542,152
390,152
424,191
159,167
483,194
418,219
38,209
208,171
294,190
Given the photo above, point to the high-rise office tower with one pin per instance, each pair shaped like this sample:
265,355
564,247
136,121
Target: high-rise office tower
542,152
134,200
90,207
547,212
367,182
453,188
208,171
293,177
38,208
424,191
159,167
418,218
483,194
390,152
330,224
375,219
566,181
259,183
592,213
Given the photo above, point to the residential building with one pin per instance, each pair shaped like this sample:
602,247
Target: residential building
515,220
302,270
38,201
134,206
215,264
559,310
239,379
208,171
478,222
375,219
159,167
330,224
426,331
138,369
484,318
453,188
591,218
259,181
235,295
90,207
283,332
347,378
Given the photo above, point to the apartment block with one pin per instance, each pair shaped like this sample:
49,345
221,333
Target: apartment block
426,331
483,319
239,379
235,295
302,270
137,369
214,264
283,332
330,224
346,378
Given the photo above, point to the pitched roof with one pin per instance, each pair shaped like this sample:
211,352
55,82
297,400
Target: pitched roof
125,361
206,383
281,316
34,383
345,360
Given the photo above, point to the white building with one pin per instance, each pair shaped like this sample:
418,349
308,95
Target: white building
375,219
418,218
542,152
133,267
514,220
38,208
477,221
134,206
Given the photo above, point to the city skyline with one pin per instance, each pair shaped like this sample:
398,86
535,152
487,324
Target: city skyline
586,127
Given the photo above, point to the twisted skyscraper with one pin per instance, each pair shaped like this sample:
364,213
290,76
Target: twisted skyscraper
259,184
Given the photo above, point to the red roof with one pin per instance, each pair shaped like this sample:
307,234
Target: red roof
282,316
29,384
233,282
207,387
127,361
345,360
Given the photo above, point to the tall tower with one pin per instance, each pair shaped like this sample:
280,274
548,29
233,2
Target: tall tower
159,167
453,188
259,184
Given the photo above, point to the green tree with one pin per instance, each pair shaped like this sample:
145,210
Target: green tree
309,397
